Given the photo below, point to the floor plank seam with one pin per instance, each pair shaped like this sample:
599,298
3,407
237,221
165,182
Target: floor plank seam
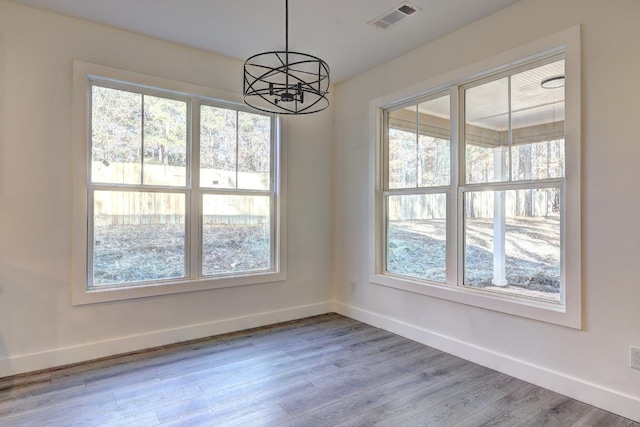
325,371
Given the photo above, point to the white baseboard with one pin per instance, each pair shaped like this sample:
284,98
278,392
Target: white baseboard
90,351
576,388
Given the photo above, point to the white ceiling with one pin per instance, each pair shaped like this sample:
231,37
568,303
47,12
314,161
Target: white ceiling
334,30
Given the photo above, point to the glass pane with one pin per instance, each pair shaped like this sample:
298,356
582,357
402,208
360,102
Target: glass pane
165,141
434,134
538,124
538,160
417,235
218,145
138,237
254,151
512,242
487,132
403,148
116,133
236,234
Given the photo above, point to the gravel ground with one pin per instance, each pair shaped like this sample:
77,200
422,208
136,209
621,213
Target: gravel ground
417,249
132,253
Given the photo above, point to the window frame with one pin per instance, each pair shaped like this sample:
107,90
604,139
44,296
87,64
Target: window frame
569,311
85,75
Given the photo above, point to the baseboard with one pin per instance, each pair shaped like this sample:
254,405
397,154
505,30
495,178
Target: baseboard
576,388
90,351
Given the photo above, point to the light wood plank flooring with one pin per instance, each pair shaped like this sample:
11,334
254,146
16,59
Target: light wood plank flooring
321,371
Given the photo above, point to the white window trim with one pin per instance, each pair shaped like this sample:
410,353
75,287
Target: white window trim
80,295
570,312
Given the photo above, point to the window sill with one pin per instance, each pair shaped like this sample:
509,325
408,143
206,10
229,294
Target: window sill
127,292
558,314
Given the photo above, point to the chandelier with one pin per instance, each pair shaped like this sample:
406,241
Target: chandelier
286,82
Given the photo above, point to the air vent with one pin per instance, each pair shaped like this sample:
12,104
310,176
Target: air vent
394,15
406,9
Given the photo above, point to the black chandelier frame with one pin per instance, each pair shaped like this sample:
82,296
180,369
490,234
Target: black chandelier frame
286,82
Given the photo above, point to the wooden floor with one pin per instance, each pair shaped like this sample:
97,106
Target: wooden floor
322,371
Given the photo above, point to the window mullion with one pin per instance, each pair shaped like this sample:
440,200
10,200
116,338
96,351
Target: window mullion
194,216
510,165
454,226
384,129
275,193
90,238
381,185
417,147
237,145
142,139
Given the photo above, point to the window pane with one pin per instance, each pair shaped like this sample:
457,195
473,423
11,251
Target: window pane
538,124
512,242
218,147
403,148
116,133
487,132
433,142
418,147
236,234
416,239
538,160
138,237
254,151
165,141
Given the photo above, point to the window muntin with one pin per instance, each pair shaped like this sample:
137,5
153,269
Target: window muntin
510,206
142,215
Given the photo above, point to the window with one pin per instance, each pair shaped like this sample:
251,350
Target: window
513,182
182,190
418,186
478,195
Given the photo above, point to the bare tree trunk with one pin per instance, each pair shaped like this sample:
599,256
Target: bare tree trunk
525,173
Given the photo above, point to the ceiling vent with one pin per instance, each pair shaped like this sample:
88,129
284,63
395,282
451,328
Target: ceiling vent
394,15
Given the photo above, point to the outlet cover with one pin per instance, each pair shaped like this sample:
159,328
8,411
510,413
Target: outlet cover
353,287
634,357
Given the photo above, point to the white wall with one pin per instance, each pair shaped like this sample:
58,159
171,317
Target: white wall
39,327
592,364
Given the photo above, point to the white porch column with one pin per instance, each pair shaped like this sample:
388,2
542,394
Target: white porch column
499,257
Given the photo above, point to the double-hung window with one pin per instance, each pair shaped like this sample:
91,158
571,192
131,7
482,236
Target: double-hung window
418,185
513,185
182,192
475,200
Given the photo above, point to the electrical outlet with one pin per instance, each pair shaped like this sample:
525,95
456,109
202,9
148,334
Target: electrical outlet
353,287
634,357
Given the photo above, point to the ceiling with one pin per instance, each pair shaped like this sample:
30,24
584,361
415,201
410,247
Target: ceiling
334,30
